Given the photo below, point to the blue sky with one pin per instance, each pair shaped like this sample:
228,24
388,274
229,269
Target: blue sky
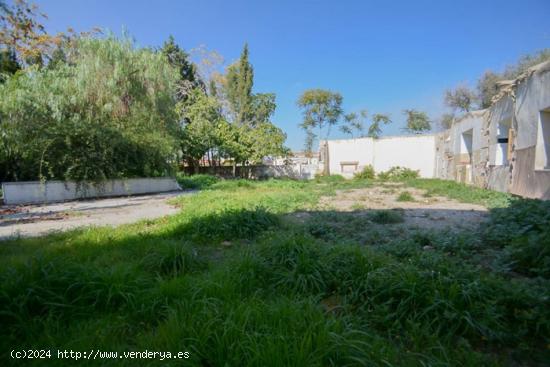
384,56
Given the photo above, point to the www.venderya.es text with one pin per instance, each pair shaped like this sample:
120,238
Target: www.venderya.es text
94,354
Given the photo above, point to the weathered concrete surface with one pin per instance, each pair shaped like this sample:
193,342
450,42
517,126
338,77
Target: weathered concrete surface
35,192
36,220
415,152
527,181
509,139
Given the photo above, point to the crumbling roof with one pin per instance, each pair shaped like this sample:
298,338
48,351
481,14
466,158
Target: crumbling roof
477,113
508,87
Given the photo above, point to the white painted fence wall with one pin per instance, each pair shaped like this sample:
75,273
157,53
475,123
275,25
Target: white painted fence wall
35,192
414,152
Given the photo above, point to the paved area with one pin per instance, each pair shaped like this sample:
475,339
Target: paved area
37,220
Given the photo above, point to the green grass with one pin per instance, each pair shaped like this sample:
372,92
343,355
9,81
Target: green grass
196,181
387,216
405,196
461,192
336,289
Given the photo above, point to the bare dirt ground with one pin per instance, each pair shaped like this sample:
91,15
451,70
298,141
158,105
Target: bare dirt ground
37,220
427,212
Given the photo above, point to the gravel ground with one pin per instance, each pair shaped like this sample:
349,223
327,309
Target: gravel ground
424,212
38,220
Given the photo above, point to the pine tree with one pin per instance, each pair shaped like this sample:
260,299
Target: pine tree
240,78
179,59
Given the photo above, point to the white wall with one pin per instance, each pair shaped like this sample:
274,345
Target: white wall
414,152
542,151
532,97
35,192
360,150
472,121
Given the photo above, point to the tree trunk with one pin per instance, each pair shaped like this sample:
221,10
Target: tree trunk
196,165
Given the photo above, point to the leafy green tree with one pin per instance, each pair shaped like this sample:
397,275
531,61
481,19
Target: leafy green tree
417,121
308,144
487,86
187,71
8,62
446,120
238,86
58,57
374,129
460,99
525,62
354,123
201,124
321,109
250,135
262,107
108,112
22,31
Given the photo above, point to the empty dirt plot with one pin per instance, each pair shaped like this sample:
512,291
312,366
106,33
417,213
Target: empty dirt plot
418,209
37,220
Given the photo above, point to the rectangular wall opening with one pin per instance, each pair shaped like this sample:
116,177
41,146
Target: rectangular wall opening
503,133
466,143
542,152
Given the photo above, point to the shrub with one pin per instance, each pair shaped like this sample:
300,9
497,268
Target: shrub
196,181
172,258
295,263
399,173
329,178
523,229
405,196
366,174
387,216
228,224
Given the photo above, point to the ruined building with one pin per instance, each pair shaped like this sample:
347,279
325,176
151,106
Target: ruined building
505,147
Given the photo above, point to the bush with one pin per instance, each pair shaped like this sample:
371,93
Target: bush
366,174
329,178
196,181
387,216
228,224
405,196
523,230
398,173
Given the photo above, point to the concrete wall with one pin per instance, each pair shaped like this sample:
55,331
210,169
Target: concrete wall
517,114
292,170
414,152
532,97
35,192
350,150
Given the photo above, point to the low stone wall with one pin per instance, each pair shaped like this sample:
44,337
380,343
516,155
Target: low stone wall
297,171
36,192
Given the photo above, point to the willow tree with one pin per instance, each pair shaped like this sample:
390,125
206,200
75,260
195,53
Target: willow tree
108,112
